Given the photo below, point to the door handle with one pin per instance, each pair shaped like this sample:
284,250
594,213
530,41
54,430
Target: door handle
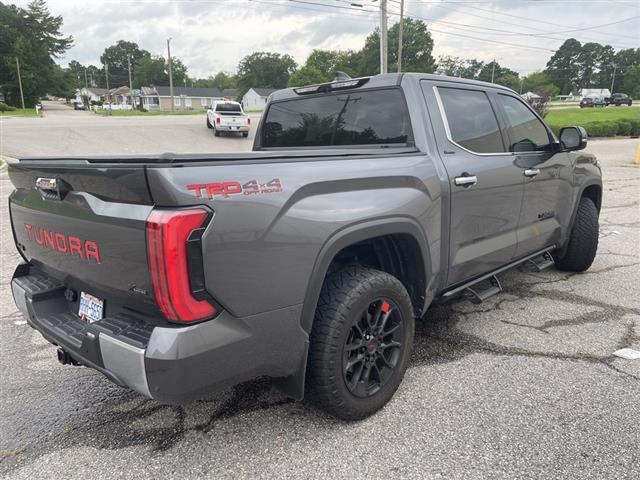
465,180
531,172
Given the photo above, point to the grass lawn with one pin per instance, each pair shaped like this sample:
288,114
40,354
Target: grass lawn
20,112
576,116
138,113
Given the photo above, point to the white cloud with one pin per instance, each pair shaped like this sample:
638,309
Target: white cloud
210,35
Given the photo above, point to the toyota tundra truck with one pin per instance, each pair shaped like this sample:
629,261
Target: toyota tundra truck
308,259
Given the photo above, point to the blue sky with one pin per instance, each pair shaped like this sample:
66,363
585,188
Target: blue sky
213,35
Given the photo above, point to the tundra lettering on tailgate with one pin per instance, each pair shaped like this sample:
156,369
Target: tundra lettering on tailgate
84,249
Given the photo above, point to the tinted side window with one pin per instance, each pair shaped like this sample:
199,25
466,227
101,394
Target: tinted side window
527,132
472,122
349,118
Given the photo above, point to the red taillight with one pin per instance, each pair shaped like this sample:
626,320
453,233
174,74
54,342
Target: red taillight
167,234
218,120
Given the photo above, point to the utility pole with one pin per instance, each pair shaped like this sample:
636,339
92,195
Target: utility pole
106,74
493,69
173,106
129,64
401,28
86,84
20,82
383,36
613,80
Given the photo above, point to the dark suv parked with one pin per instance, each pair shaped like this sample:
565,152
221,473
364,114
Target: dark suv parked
618,99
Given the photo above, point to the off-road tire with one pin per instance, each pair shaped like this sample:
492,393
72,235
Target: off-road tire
209,123
345,295
583,241
245,134
216,132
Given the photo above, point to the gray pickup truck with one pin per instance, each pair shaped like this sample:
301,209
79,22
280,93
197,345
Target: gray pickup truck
309,259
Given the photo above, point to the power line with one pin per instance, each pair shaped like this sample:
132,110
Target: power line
574,28
430,28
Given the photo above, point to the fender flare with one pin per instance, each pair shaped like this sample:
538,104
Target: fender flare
348,236
294,385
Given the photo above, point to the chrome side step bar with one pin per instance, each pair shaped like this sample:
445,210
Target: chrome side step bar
478,296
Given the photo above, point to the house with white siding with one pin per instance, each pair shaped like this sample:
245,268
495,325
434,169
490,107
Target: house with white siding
184,98
256,98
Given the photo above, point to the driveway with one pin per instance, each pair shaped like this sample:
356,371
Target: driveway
522,386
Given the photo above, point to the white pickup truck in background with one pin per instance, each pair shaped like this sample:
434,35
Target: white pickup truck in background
227,116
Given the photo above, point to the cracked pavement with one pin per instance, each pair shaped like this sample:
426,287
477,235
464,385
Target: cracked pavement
524,385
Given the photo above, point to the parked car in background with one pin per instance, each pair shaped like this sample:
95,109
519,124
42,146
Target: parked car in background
79,106
589,102
228,116
618,99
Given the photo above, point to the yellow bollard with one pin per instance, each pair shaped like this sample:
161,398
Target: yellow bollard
638,154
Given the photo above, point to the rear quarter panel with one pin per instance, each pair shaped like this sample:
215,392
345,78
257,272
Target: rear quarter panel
260,250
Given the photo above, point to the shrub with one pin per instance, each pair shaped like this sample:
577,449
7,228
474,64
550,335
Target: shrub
623,127
6,108
635,127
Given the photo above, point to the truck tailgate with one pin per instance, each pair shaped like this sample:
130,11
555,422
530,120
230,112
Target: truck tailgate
86,226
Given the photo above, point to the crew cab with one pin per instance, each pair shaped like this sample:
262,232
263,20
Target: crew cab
309,259
227,116
618,99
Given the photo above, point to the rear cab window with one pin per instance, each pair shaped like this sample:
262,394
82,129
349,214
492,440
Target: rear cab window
228,109
352,117
470,120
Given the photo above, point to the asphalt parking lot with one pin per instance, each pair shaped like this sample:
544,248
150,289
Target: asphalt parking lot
522,386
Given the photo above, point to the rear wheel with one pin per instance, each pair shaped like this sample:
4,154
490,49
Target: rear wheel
216,132
209,123
360,343
245,134
583,241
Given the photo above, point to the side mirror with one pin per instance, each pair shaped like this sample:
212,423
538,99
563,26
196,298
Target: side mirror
573,138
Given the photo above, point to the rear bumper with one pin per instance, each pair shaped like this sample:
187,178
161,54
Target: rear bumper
168,364
232,128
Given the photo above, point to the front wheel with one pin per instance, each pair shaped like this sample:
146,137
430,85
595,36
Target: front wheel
583,241
360,343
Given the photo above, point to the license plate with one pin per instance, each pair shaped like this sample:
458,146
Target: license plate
91,308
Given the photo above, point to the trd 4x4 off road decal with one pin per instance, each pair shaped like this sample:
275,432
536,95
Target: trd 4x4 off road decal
226,189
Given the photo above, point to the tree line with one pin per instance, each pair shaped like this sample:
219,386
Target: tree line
33,35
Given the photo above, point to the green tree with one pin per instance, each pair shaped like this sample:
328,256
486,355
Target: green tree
64,82
631,82
328,62
223,81
116,58
539,82
417,50
264,69
33,36
626,61
151,71
459,67
564,66
492,71
306,75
